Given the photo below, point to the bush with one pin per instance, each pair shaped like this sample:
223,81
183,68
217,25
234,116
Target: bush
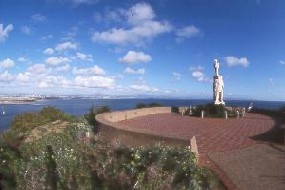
67,161
143,105
174,109
92,114
210,110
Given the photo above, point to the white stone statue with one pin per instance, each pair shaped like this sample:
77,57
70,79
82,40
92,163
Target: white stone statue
218,85
219,90
216,66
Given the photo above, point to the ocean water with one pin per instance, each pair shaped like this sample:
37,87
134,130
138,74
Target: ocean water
81,106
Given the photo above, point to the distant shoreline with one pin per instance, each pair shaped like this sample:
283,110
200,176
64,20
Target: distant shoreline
8,101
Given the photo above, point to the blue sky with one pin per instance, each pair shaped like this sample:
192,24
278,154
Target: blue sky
156,47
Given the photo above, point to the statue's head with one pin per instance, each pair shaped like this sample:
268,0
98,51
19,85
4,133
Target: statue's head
215,61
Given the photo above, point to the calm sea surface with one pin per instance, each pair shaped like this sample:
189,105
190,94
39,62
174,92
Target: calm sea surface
79,106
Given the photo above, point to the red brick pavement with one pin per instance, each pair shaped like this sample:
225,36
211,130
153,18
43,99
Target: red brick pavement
212,134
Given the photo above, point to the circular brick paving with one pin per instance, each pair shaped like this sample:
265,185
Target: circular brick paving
220,137
212,134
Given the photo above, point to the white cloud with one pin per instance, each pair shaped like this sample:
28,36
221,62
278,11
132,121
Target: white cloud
144,88
133,71
95,70
64,68
48,51
22,59
198,74
38,18
84,57
139,13
282,62
24,77
7,63
51,81
187,32
57,60
66,46
136,35
133,57
176,75
94,81
142,28
4,32
6,77
235,61
26,30
37,69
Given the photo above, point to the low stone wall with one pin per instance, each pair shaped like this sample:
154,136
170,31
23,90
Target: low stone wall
130,114
127,135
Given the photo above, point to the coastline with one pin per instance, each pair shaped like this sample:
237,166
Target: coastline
8,101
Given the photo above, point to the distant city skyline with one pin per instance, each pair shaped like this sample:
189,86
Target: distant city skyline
157,48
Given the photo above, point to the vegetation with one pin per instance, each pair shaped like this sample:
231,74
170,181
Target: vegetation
76,158
142,105
92,114
174,109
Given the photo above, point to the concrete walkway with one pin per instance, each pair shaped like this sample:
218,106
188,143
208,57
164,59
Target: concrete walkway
238,150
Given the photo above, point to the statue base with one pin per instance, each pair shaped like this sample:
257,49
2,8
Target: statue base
219,103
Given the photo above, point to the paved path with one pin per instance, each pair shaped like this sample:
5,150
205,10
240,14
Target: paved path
230,147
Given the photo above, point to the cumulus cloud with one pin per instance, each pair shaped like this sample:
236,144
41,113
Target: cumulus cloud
4,31
64,68
176,75
66,46
57,60
129,70
38,18
24,77
48,51
50,81
144,88
187,32
235,61
140,12
142,28
95,70
37,69
133,57
198,74
7,63
6,77
94,81
84,57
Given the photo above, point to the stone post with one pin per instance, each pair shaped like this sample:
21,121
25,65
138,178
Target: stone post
226,114
194,147
202,114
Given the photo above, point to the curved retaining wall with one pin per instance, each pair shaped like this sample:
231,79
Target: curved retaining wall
127,134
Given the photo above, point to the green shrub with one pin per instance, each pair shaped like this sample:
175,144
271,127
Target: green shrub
210,110
70,160
143,105
174,109
92,114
